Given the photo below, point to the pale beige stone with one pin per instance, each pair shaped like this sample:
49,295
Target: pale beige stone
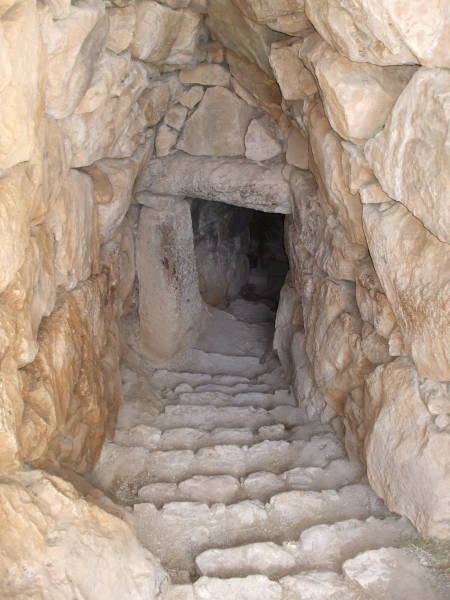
357,97
292,76
206,74
218,126
260,140
67,391
261,87
415,481
20,87
411,156
165,141
294,24
297,150
74,45
176,116
163,35
413,266
215,52
327,165
361,31
263,11
231,180
241,35
122,22
56,556
116,127
356,168
155,100
192,97
170,305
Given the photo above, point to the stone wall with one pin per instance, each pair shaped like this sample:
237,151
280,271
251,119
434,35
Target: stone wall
333,113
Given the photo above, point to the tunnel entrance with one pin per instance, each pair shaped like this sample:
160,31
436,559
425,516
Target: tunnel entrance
239,253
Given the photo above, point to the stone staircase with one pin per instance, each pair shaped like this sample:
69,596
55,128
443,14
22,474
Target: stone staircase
241,496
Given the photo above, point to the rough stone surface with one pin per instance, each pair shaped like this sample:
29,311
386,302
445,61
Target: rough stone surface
292,76
206,74
122,22
218,126
170,305
80,533
233,181
413,167
260,140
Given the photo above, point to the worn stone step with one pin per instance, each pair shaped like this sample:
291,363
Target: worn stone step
180,531
324,547
255,399
251,312
211,363
306,586
261,485
121,470
238,388
210,417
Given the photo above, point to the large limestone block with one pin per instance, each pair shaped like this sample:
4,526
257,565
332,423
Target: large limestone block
259,88
74,45
108,121
360,30
411,156
15,199
122,22
320,232
239,34
231,180
66,391
261,140
414,267
170,306
20,93
218,126
113,180
73,223
163,35
326,162
415,480
206,74
294,79
358,97
263,11
333,337
52,537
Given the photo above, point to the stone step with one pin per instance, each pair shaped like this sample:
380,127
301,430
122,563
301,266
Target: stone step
238,388
211,417
180,531
255,399
256,486
306,586
251,312
211,363
322,547
121,470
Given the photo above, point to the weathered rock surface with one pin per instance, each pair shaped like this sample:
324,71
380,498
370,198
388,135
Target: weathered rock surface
170,305
358,97
400,425
233,181
163,35
206,74
122,22
292,76
414,167
404,255
218,126
36,508
260,140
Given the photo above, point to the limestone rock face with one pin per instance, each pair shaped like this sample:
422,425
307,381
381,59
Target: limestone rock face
163,35
361,31
122,22
263,11
74,46
292,76
20,88
206,74
260,140
414,167
231,180
80,534
170,305
218,126
415,481
239,34
405,254
357,96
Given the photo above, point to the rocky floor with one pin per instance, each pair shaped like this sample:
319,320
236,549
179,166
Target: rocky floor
241,496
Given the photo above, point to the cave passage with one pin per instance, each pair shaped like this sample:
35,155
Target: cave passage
239,253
